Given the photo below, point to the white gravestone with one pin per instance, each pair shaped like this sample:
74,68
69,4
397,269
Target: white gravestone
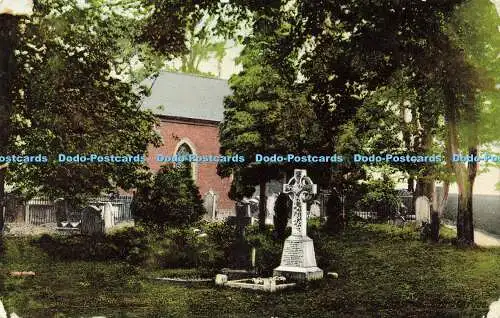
422,210
271,201
298,260
315,210
92,221
3,313
210,204
108,215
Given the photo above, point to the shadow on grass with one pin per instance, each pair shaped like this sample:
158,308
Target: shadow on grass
383,271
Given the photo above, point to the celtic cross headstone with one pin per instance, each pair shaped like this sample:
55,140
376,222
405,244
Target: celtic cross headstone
298,260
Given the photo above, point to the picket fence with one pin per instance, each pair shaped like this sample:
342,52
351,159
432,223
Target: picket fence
40,211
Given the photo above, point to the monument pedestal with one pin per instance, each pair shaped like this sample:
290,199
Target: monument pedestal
298,261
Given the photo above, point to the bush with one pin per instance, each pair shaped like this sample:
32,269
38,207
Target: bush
380,197
186,247
173,199
268,250
130,245
177,247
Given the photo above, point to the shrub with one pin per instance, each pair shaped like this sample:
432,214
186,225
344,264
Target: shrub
268,250
130,245
177,247
173,199
380,197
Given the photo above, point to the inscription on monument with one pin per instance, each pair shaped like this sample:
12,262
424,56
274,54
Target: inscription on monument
293,254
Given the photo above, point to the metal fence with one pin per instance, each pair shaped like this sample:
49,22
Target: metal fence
403,206
40,211
122,203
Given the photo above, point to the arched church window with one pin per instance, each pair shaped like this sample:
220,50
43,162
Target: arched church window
184,150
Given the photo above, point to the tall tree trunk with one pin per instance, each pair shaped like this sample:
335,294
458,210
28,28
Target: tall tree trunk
8,30
465,176
465,218
262,205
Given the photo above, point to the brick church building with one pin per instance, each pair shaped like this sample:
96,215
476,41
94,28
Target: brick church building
190,109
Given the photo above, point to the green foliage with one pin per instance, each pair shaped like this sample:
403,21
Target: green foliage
474,29
202,45
173,199
380,197
268,250
176,248
76,92
266,114
128,245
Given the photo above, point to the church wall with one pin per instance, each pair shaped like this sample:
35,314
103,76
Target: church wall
203,136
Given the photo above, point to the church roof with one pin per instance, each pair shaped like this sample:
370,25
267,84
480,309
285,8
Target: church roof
187,96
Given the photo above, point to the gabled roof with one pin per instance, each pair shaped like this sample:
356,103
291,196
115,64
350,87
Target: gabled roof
187,96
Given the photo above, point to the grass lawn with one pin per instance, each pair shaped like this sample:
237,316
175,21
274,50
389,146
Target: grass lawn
383,272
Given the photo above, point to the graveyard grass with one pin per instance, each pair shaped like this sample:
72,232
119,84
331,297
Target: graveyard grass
383,271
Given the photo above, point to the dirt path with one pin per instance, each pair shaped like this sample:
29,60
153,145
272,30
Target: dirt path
482,238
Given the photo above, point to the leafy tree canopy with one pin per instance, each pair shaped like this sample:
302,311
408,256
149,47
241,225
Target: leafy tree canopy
76,91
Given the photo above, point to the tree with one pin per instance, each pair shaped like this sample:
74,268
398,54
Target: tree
76,92
267,114
8,33
471,98
349,51
173,199
69,99
203,44
357,51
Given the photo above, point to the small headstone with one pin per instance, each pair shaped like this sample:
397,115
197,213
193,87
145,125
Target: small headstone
422,210
220,279
494,310
298,259
92,221
210,205
108,215
271,201
324,196
3,313
315,210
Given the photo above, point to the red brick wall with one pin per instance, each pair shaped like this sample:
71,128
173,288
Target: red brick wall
204,138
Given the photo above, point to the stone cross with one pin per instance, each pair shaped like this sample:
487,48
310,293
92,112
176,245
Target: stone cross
300,188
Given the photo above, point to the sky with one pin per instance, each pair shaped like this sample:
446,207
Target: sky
16,7
497,4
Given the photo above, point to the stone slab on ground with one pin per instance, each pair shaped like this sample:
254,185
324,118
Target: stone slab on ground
22,229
